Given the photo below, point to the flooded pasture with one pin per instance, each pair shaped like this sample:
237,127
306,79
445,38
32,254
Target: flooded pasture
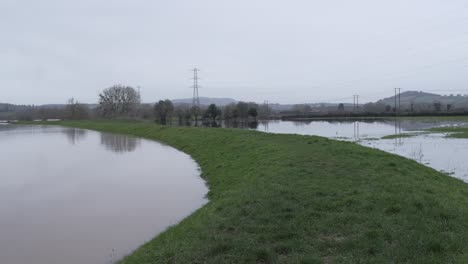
76,196
431,149
434,150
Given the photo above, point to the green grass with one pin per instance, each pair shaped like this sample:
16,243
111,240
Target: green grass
402,135
455,131
305,199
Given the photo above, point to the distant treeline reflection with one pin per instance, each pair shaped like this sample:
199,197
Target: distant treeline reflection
75,135
111,142
119,143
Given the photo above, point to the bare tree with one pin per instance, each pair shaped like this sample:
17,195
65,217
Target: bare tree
118,100
182,111
145,111
229,111
74,110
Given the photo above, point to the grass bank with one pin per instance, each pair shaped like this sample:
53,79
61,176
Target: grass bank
455,131
402,135
305,199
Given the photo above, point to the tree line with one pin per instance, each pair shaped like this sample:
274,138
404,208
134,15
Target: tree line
375,109
121,101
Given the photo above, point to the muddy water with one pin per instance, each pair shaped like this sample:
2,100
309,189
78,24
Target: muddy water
76,196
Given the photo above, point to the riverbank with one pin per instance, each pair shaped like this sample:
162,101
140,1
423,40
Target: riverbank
305,199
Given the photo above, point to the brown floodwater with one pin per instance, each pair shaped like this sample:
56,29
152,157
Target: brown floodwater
76,196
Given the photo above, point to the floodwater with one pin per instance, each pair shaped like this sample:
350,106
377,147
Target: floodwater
76,196
435,150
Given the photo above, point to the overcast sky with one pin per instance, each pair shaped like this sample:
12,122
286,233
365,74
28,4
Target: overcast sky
281,51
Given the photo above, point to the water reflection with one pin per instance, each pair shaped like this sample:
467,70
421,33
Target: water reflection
119,143
70,202
356,130
398,136
240,124
74,135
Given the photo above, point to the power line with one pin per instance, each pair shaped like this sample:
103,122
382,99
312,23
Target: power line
397,109
355,102
267,104
399,100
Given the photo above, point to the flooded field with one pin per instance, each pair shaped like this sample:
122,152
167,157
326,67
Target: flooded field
434,150
76,196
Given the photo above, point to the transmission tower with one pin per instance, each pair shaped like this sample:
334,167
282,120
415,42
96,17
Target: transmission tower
196,99
397,105
356,102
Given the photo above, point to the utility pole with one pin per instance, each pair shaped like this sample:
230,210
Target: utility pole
399,100
397,109
196,99
266,103
355,102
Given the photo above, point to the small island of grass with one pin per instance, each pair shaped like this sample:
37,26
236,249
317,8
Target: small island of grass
454,131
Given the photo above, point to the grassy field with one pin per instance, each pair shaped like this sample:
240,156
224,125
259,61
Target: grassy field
305,199
402,135
456,132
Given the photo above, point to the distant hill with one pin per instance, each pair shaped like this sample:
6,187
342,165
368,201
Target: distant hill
206,101
427,98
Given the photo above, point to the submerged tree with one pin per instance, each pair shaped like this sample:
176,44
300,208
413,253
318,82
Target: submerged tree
195,112
212,112
253,112
163,109
74,110
388,108
182,112
437,106
341,107
242,110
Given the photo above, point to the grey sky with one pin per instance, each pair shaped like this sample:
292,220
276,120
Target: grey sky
282,51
